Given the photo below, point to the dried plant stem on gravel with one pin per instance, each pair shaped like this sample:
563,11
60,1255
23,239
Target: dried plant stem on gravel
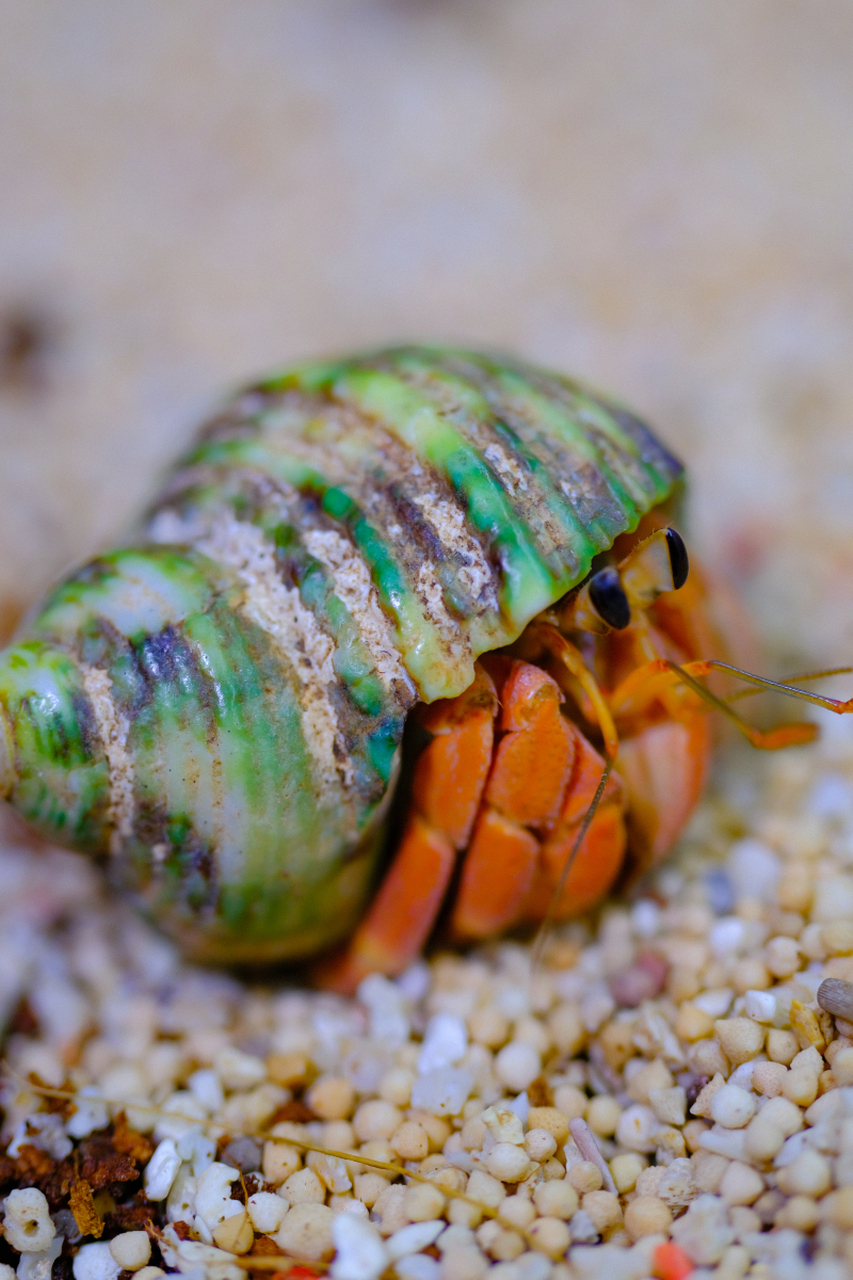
671,1093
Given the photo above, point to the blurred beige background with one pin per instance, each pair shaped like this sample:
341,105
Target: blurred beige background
654,194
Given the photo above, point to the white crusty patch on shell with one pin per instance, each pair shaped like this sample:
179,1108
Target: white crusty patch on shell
113,730
456,640
355,588
449,522
506,466
280,612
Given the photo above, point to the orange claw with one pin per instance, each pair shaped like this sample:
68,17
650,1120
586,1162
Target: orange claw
451,771
534,758
496,877
402,914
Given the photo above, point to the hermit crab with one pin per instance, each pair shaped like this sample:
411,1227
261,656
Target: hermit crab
466,542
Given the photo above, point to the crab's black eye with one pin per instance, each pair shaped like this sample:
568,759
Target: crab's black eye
609,600
678,558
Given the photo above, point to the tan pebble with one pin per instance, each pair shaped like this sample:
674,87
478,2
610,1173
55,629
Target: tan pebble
603,1115
396,1086
376,1119
288,1069
693,1023
485,1189
410,1141
811,942
603,1209
585,1176
489,1027
507,1162
806,1027
669,1104
368,1187
740,1184
808,1175
332,1098
750,974
307,1232
436,1129
447,1180
539,1144
339,1135
763,1139
783,1113
552,1169
500,1242
795,889
530,1030
682,984
378,1150
570,1101
837,937
837,1208
616,1039
389,1212
782,1046
235,1234
702,1105
279,1161
567,1030
473,1134
147,1273
654,1075
551,1236
466,1263
733,1264
801,1213
647,1216
552,1119
424,1201
670,1143
768,1078
131,1250
782,956
557,1199
649,1180
744,1220
708,1170
625,1170
800,1086
462,1214
842,1067
706,1058
304,1187
740,1038
516,1211
692,1132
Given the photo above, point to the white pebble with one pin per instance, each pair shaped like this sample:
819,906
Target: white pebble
503,1124
6,1272
131,1250
753,869
95,1262
205,1087
181,1113
443,1092
444,1043
89,1113
727,936
213,1203
716,1002
27,1220
730,1143
161,1170
266,1210
360,1250
414,1238
636,1126
418,1266
39,1266
239,1070
385,1005
196,1150
645,918
760,1006
517,1065
733,1107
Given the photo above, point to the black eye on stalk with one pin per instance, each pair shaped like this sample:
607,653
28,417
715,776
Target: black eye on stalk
678,558
609,600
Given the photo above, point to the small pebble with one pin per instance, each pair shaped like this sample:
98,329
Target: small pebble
27,1222
131,1250
733,1107
517,1065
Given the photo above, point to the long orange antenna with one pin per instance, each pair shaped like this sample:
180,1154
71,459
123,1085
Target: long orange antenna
793,734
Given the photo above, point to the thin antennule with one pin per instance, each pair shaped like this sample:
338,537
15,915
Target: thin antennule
544,930
795,733
790,681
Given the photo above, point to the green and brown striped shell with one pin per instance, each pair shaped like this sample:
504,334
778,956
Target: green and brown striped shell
217,709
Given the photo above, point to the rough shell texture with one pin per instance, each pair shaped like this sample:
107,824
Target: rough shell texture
218,707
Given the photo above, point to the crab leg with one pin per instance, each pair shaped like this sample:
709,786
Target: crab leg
447,789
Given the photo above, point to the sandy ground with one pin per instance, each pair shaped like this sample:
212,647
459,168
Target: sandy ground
654,196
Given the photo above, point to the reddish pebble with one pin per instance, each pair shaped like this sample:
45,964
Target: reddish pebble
669,1262
643,981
